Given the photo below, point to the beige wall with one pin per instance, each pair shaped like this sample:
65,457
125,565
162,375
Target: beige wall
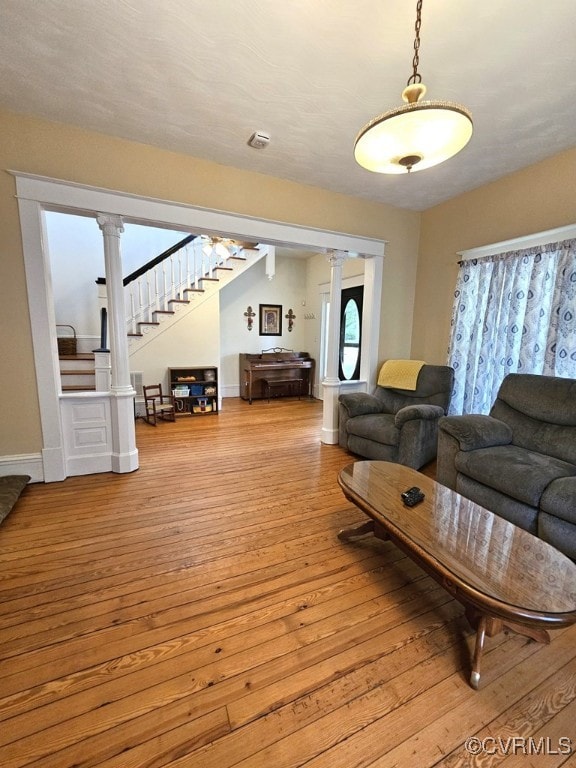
535,199
65,152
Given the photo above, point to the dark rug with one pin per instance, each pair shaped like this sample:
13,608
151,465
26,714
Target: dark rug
11,486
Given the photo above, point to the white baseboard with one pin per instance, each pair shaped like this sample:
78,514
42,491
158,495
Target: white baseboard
230,390
24,464
233,390
88,465
329,436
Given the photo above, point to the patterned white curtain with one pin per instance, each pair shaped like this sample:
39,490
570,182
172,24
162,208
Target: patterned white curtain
513,312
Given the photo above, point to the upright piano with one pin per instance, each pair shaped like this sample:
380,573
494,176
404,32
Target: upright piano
295,370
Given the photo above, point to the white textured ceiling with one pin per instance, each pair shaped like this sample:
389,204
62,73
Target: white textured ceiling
199,76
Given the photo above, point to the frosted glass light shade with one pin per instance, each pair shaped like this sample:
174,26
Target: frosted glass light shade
413,137
214,246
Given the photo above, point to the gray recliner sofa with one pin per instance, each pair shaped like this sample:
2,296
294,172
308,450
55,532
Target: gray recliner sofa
397,425
520,460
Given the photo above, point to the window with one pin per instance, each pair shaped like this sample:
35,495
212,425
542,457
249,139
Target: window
350,333
514,312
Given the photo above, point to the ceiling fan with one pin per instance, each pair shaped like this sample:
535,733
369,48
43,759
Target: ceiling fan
227,244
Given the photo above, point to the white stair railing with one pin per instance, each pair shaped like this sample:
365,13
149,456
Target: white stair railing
169,280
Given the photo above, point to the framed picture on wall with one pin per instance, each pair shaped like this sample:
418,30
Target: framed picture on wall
270,319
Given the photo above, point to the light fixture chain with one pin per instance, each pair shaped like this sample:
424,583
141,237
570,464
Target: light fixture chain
416,78
409,138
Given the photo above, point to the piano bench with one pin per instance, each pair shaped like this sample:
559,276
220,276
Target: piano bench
269,385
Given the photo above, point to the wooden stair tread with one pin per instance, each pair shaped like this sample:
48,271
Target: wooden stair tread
79,372
78,388
78,356
185,291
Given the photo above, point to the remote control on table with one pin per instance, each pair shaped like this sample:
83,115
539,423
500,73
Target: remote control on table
412,496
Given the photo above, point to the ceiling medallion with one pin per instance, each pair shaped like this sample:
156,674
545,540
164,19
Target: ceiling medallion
417,135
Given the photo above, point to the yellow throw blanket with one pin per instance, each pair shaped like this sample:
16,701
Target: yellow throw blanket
400,374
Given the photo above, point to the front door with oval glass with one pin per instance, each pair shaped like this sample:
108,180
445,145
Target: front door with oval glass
350,333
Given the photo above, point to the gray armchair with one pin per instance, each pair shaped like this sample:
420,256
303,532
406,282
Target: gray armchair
397,425
520,460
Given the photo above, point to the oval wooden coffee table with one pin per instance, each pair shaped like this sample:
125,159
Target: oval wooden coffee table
504,576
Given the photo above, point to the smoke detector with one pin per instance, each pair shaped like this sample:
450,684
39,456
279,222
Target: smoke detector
259,140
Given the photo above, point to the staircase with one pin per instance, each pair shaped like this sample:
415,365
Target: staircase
176,281
184,296
180,283
77,372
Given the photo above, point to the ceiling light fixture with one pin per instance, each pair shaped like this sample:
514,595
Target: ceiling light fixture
418,134
225,246
215,245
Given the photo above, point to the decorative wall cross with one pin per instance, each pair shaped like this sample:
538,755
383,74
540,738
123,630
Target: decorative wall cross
290,317
249,315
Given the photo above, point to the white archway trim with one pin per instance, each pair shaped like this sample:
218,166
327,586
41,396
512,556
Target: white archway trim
38,193
70,195
43,324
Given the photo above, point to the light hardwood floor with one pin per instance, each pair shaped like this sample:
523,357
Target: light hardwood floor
201,613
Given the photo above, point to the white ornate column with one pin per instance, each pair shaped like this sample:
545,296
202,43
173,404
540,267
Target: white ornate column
331,382
124,451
